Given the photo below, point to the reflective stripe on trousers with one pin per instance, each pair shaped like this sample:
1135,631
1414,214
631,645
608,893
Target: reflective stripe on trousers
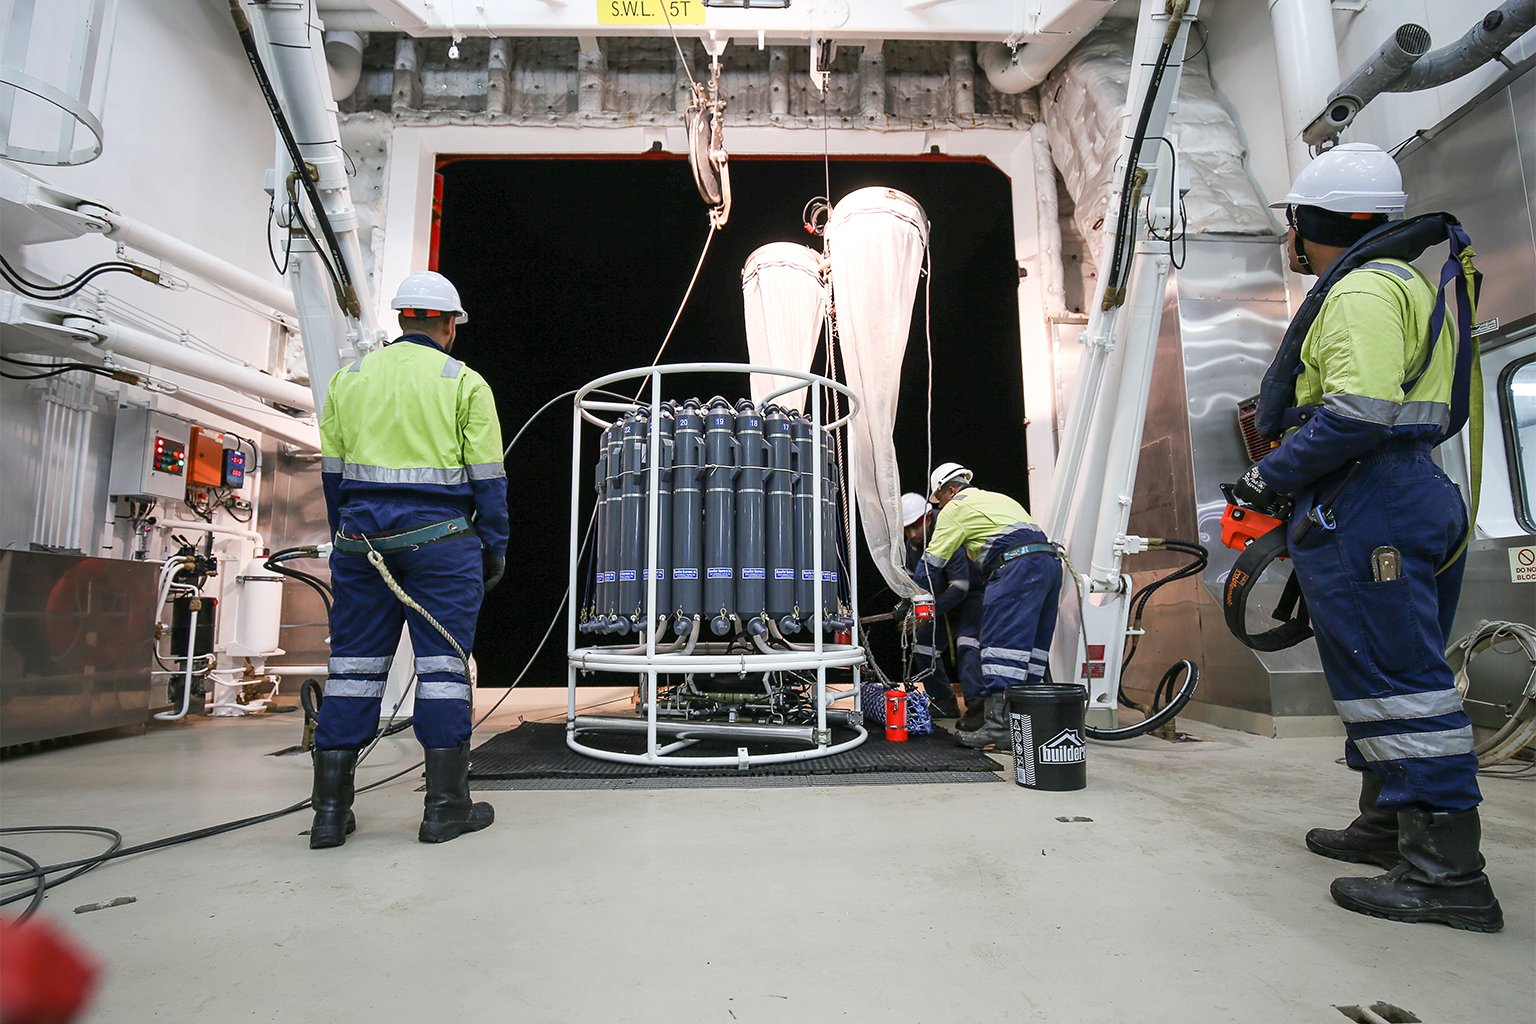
445,578
1018,618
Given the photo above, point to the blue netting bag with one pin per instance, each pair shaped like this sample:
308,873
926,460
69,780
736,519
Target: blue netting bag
919,716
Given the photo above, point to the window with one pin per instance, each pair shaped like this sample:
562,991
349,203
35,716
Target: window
1517,399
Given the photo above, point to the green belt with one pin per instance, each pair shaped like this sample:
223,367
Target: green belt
400,540
1003,559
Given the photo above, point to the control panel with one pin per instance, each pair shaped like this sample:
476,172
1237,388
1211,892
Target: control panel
234,468
206,466
149,455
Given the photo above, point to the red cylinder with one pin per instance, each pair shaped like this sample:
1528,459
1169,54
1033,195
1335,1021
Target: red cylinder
896,716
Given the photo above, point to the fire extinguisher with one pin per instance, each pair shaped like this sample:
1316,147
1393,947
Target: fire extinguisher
896,715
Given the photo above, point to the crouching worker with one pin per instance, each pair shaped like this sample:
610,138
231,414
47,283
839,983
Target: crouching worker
410,448
1023,583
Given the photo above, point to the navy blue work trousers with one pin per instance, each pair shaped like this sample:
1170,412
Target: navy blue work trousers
445,578
1382,641
1018,617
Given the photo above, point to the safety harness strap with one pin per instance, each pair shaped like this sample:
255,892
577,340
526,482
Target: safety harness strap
1405,240
400,540
1291,610
1038,548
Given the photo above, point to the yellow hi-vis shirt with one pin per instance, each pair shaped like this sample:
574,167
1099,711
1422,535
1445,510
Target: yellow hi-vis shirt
410,426
977,520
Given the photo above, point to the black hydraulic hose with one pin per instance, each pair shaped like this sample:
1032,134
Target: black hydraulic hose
274,562
1139,600
44,290
34,872
1124,229
346,294
37,873
1159,717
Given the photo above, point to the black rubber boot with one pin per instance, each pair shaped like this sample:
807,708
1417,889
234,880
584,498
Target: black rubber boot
994,732
332,798
1441,877
449,811
974,715
1370,839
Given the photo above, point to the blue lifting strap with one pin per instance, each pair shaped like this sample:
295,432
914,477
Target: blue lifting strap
1405,240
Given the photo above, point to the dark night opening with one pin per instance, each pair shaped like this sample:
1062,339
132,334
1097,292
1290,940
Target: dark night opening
574,268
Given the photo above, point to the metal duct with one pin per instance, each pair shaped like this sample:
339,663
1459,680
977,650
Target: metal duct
1483,42
1401,64
1391,59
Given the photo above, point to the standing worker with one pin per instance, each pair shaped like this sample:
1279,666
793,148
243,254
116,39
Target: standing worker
1376,532
915,519
410,448
1023,583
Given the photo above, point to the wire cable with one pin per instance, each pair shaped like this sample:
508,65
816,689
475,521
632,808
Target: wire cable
35,875
44,290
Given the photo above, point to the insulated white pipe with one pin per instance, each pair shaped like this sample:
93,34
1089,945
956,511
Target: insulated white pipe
222,529
1307,56
299,433
45,445
198,261
299,71
1048,224
186,683
1015,73
82,437
133,343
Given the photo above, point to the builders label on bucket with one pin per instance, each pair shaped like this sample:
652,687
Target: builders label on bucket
1046,720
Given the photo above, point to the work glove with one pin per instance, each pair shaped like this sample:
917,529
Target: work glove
1252,492
493,567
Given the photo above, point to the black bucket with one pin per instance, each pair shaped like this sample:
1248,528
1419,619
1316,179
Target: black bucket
1047,724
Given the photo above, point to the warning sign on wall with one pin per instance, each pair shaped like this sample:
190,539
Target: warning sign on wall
1522,564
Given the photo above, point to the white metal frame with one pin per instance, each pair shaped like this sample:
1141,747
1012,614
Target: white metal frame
652,664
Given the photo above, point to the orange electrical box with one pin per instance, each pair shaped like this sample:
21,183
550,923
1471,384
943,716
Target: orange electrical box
205,468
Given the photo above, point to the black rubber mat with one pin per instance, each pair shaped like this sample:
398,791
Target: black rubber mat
693,780
537,750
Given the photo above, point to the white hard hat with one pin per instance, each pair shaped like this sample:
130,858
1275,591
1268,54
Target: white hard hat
949,473
913,507
430,290
1356,177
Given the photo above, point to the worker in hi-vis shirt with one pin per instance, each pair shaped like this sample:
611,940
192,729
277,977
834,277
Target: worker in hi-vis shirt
1023,583
932,633
1376,534
411,458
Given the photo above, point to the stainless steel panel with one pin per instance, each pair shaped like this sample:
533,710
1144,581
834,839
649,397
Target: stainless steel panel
294,515
1482,168
76,642
1226,315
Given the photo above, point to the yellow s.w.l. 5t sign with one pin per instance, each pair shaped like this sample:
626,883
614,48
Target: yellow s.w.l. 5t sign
650,12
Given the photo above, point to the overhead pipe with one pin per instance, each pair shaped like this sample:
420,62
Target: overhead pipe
132,343
1485,41
1307,58
1403,64
298,71
188,257
344,61
1016,69
299,433
1392,59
